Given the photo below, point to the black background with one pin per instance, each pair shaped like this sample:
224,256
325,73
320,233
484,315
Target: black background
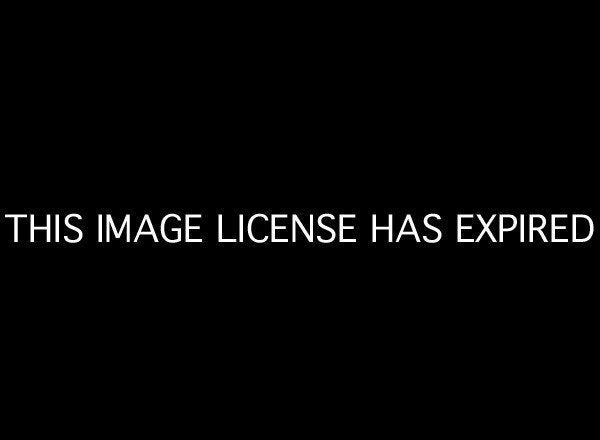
386,112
